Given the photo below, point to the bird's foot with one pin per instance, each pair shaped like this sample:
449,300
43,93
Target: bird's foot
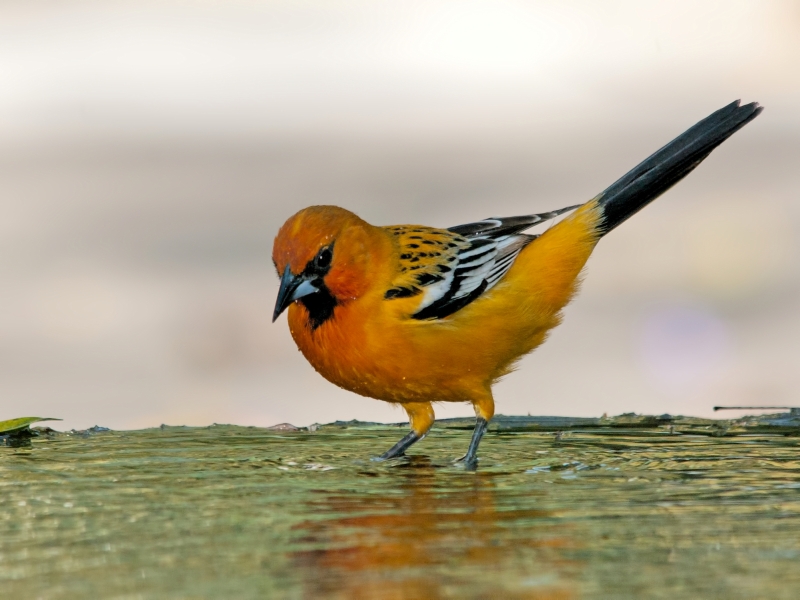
470,463
383,457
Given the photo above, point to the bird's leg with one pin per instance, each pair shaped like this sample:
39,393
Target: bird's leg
399,449
471,457
484,411
421,416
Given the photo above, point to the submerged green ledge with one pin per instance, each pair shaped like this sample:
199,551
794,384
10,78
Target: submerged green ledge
777,423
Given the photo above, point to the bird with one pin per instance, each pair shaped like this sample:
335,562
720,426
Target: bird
415,315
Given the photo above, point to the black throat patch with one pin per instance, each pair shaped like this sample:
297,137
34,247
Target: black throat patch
320,306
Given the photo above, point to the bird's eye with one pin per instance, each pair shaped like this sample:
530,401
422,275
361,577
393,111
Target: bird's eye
323,259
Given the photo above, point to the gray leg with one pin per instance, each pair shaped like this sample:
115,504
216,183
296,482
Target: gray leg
470,459
400,447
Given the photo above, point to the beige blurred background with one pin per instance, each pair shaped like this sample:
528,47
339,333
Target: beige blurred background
149,151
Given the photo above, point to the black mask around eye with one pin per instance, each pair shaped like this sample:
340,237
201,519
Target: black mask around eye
323,259
320,265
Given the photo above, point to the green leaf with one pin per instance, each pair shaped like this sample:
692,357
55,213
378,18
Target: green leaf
21,423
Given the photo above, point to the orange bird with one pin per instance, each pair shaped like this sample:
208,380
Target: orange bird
412,314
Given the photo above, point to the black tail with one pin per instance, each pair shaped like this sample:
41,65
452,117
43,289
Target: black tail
673,162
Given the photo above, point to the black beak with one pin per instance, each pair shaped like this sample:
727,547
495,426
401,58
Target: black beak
293,287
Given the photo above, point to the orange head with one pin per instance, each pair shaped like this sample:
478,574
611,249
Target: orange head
322,255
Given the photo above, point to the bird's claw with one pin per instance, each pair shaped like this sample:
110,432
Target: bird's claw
470,463
384,458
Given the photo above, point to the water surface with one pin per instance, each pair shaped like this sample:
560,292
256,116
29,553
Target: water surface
237,512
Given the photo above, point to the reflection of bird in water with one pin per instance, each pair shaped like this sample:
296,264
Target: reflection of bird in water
413,314
432,535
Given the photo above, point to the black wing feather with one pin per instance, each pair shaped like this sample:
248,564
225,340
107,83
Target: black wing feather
495,227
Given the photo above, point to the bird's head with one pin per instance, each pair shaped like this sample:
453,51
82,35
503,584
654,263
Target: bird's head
322,256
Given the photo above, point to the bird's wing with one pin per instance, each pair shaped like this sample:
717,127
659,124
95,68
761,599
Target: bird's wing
452,267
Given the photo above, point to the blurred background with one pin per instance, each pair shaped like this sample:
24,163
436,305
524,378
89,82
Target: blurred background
149,151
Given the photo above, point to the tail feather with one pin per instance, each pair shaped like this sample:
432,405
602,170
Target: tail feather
655,175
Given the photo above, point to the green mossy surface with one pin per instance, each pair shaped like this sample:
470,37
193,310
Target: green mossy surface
21,423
